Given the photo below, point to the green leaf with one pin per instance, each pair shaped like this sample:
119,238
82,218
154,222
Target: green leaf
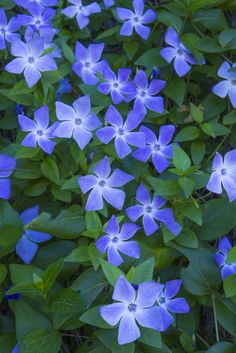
144,272
8,215
187,238
226,37
208,129
226,317
164,187
150,337
51,273
187,185
41,340
130,49
181,159
7,342
198,4
109,32
196,113
176,90
151,58
126,348
67,52
198,150
211,19
188,133
93,317
93,224
230,286
112,273
190,210
170,20
79,255
26,152
222,347
3,272
50,170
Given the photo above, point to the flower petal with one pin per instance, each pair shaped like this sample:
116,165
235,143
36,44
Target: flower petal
134,212
123,291
148,293
128,230
28,215
112,313
214,183
102,169
87,182
114,197
112,226
150,226
113,117
94,201
26,249
128,329
178,305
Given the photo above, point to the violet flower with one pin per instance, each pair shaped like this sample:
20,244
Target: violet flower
158,149
224,174
136,20
7,30
77,121
109,3
87,62
221,258
27,246
117,240
151,211
81,11
167,303
39,17
7,166
122,132
16,349
64,87
145,92
117,86
39,132
132,307
44,3
183,58
227,87
104,186
30,60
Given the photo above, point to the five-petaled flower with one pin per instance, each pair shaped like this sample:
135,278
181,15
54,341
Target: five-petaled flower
183,58
104,186
224,173
7,30
122,132
228,85
227,269
27,246
166,302
81,11
44,3
39,132
158,149
136,20
87,62
39,17
118,86
117,240
7,165
151,212
77,121
144,94
131,307
30,60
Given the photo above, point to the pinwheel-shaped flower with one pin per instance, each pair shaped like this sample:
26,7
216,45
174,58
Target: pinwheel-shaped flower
117,240
27,246
26,3
158,149
227,87
87,62
7,165
122,132
136,20
104,186
30,60
77,121
81,11
227,269
224,174
167,303
7,30
132,307
117,86
145,92
151,212
39,17
39,132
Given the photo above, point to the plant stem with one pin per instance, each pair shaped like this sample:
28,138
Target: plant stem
215,319
202,340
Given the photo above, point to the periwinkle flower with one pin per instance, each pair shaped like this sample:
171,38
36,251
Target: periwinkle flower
30,60
136,20
117,86
39,17
77,121
16,349
158,149
87,62
227,269
144,94
132,307
27,246
167,303
151,211
7,166
81,11
39,132
116,241
121,131
227,87
44,3
7,30
64,87
224,174
183,58
109,3
104,186
19,109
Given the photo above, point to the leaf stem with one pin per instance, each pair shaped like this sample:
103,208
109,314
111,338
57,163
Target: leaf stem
215,318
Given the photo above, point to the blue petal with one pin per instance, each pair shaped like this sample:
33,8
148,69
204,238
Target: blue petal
26,249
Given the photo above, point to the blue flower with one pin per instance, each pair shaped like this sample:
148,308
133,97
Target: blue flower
227,269
7,165
40,17
43,3
117,240
7,30
64,87
226,87
16,349
27,246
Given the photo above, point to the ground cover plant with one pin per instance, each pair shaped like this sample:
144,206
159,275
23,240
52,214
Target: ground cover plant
117,176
